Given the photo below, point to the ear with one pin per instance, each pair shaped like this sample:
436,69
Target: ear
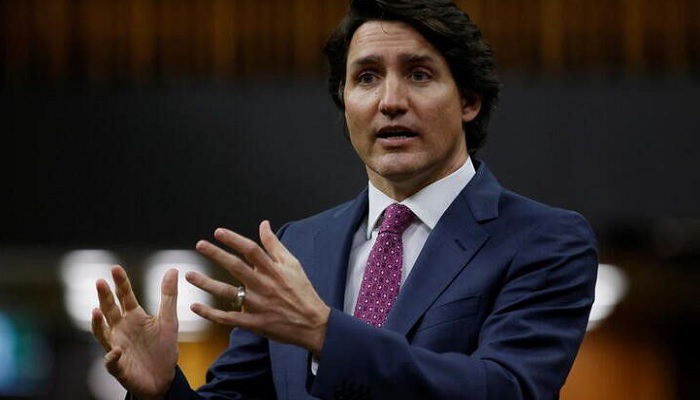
341,94
471,105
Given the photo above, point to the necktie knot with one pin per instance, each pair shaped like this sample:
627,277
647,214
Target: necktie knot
397,217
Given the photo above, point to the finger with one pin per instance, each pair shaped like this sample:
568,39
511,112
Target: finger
109,308
217,288
271,243
112,362
168,297
234,265
99,330
231,318
123,289
246,247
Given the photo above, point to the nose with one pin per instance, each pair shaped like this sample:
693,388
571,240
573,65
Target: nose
393,101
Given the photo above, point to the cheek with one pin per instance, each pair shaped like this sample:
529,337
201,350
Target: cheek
438,115
360,146
353,124
450,114
445,121
357,110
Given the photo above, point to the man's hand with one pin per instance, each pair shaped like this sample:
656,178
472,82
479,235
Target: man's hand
141,349
280,303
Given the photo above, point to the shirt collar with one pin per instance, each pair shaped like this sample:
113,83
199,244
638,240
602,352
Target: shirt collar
428,204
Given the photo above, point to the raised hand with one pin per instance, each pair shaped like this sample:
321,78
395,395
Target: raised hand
280,303
141,349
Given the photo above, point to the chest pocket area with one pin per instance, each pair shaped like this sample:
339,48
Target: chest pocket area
452,326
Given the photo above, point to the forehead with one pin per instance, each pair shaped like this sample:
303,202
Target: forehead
387,39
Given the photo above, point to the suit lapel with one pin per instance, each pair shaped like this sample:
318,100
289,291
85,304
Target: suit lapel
332,244
457,237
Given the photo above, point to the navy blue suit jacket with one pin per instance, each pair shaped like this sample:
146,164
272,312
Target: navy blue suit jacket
495,307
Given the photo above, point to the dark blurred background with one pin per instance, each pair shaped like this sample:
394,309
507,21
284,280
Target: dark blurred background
133,126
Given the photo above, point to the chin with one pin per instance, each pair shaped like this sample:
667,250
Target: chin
398,173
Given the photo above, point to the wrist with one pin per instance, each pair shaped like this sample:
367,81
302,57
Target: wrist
318,335
161,393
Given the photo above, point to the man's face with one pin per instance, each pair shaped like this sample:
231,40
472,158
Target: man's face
403,108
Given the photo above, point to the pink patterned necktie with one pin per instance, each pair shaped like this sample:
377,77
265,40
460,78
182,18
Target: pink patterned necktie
382,278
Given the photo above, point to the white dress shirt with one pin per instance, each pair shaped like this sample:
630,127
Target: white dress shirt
428,205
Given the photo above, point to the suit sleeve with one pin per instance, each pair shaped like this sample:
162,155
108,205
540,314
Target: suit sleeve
526,345
240,372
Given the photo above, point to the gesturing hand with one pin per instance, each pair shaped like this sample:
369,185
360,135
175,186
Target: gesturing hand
280,303
141,349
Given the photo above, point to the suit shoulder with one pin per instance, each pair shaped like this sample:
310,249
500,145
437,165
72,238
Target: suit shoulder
315,221
532,214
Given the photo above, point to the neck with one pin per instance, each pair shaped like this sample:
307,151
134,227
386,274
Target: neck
401,188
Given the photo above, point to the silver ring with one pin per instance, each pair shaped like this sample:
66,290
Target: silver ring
238,301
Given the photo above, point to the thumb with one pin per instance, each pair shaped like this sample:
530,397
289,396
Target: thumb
168,297
112,362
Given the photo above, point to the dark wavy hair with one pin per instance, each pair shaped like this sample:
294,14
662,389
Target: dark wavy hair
448,29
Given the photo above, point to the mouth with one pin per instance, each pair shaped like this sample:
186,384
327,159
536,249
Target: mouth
395,132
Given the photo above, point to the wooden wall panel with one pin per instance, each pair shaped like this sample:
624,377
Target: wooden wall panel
692,24
143,40
223,41
665,38
175,39
19,38
141,31
52,38
633,34
552,36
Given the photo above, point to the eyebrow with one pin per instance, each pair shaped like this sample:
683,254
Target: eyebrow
405,58
417,59
367,60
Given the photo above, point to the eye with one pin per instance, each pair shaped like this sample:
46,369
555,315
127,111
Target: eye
366,78
420,75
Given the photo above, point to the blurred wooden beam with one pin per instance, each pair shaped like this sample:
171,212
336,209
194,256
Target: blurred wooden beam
552,36
141,31
143,40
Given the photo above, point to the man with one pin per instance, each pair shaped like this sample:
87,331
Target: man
434,282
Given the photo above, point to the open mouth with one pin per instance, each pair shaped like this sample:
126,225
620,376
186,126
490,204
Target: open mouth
396,133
